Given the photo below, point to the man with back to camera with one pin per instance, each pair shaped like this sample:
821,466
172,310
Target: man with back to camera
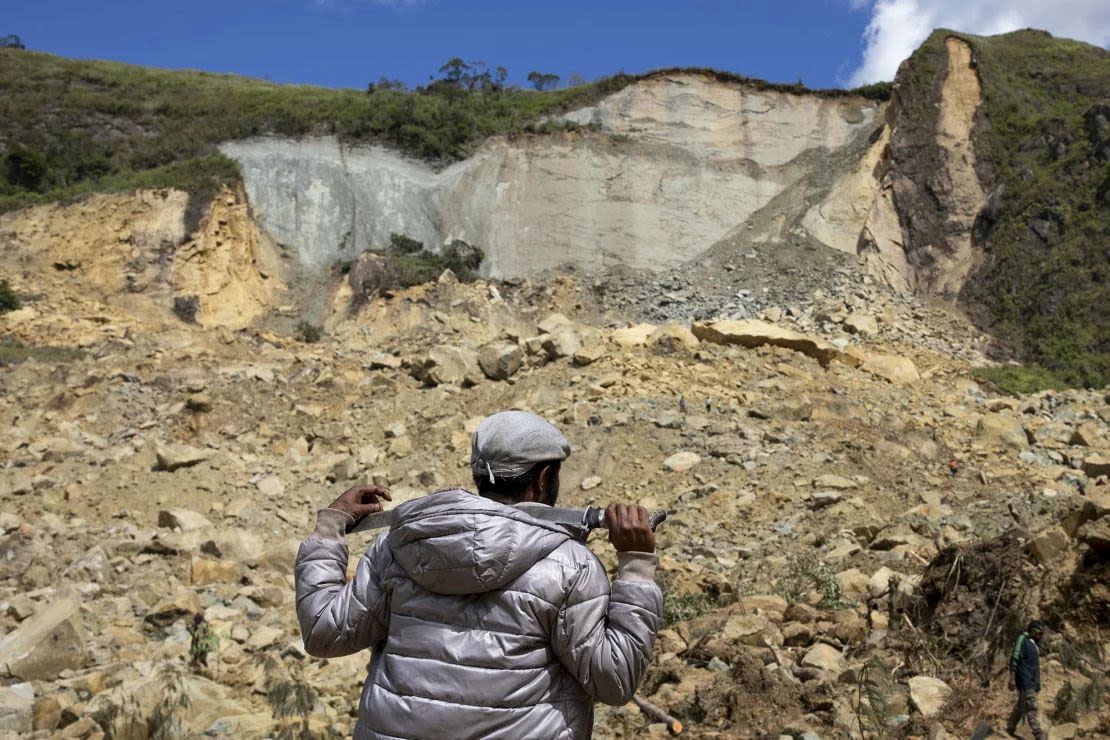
484,621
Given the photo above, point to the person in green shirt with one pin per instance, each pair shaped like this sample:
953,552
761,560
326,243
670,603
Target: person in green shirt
204,641
1025,679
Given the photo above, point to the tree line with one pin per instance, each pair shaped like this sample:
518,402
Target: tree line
458,75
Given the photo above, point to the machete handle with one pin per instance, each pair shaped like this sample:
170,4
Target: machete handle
595,518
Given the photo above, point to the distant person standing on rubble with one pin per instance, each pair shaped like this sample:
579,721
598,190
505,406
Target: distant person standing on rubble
1025,678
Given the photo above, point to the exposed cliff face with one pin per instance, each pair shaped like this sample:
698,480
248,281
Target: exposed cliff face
670,166
918,235
130,256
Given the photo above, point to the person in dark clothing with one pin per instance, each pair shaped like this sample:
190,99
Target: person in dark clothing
1025,679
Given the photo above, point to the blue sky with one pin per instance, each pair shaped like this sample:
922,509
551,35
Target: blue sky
346,43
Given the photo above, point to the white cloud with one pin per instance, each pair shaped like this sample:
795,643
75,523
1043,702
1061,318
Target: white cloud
897,27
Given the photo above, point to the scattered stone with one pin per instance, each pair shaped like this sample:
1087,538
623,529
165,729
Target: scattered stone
501,360
270,486
1049,544
928,695
837,482
44,645
175,456
754,333
1086,434
680,462
826,658
591,483
204,571
995,430
861,323
447,365
895,368
17,704
1096,465
182,519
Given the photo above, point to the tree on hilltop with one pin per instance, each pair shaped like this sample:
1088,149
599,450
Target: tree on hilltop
542,81
11,41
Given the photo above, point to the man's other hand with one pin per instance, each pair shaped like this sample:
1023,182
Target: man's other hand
360,501
1012,686
629,528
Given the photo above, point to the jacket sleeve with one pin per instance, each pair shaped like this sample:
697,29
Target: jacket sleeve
338,617
604,636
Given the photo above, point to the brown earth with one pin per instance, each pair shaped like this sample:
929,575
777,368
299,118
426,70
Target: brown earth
172,467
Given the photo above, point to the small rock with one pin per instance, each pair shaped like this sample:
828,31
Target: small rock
270,486
825,658
591,483
680,462
928,695
174,456
183,519
894,368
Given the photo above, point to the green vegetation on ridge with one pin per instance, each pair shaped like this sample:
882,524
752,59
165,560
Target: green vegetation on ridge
72,127
1046,281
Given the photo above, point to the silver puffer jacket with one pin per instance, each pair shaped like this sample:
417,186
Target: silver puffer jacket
483,621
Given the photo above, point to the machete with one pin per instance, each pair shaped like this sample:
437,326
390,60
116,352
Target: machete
578,521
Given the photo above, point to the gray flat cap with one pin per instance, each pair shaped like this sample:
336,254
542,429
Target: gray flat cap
510,443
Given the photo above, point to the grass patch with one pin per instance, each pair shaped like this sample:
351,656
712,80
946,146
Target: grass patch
684,606
805,574
13,352
1018,380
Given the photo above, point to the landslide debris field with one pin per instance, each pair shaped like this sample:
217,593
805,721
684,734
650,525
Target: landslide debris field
708,284
826,575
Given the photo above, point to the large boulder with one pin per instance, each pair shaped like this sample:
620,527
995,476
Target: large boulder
564,341
861,323
928,695
672,338
500,360
447,365
633,336
894,368
1096,465
755,333
999,430
825,658
44,645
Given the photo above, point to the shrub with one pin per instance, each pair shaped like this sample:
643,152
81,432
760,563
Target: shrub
1018,380
309,333
806,573
684,606
9,301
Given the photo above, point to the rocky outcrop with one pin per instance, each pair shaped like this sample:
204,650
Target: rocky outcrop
918,234
673,164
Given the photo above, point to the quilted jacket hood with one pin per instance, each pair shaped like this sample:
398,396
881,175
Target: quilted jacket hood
455,542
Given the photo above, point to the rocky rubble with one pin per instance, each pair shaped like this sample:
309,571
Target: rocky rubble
173,469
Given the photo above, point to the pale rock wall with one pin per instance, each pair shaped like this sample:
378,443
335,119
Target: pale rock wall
680,161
